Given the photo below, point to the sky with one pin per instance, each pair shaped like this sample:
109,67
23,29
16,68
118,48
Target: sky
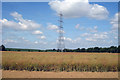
34,25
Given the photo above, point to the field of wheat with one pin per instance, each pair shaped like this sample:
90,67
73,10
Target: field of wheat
60,61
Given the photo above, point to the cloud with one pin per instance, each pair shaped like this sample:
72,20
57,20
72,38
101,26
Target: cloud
9,41
20,23
41,37
60,31
85,34
36,42
10,24
37,32
77,26
40,42
90,39
17,16
94,29
66,39
98,12
78,39
23,39
24,43
114,21
95,36
79,8
70,40
87,38
80,27
114,33
52,26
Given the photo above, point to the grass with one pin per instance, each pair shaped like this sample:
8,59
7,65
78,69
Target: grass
56,61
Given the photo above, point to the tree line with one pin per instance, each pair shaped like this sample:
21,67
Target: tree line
112,49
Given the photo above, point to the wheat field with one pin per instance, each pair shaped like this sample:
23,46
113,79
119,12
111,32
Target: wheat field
60,61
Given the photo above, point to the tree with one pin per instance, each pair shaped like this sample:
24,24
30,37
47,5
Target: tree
58,50
118,49
83,50
90,50
2,48
113,49
96,49
54,49
78,50
103,50
65,50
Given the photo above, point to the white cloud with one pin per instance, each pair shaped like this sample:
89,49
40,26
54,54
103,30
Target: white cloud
79,8
9,41
98,12
115,24
77,40
17,16
36,42
37,32
94,29
23,39
90,39
21,24
41,37
68,39
60,31
55,27
116,37
77,26
95,36
85,34
52,26
114,21
100,36
86,38
40,42
10,24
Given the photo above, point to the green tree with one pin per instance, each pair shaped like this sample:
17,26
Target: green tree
90,50
96,49
113,49
78,50
2,48
83,50
118,49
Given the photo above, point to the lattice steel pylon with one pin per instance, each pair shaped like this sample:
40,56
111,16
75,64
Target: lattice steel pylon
61,44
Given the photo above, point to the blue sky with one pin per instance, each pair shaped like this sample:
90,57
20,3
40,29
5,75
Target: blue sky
35,24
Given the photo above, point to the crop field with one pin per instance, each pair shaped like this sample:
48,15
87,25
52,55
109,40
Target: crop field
60,61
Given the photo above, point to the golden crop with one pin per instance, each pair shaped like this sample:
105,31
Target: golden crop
58,61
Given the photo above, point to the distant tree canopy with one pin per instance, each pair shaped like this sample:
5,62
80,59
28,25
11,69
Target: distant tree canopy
2,48
112,49
119,49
